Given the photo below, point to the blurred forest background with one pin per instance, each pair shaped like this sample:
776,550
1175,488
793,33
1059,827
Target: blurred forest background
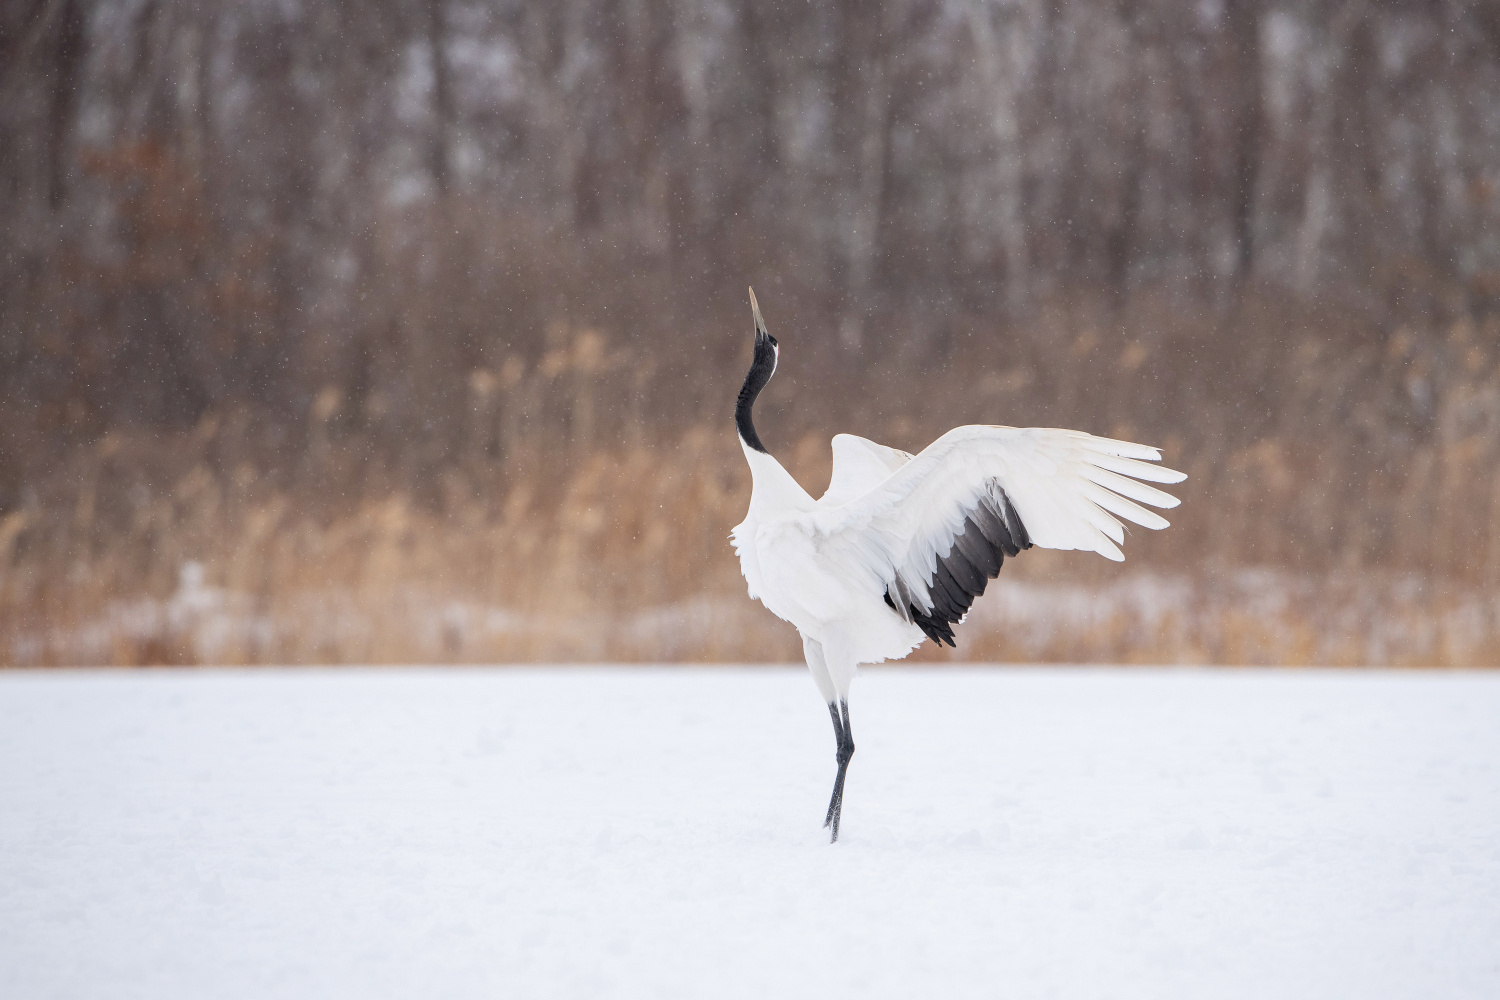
409,329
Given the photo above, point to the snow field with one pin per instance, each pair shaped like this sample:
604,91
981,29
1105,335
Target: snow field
588,832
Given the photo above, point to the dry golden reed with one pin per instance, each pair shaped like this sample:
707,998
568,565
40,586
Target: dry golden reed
621,557
563,526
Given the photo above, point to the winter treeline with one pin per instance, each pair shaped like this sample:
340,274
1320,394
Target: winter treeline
247,200
270,271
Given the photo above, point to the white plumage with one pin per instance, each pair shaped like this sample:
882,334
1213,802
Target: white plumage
898,547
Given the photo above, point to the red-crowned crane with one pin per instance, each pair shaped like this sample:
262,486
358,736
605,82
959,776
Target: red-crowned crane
900,545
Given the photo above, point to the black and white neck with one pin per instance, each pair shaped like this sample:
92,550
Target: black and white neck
761,370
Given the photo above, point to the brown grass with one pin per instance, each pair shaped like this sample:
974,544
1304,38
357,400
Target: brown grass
622,555
1343,507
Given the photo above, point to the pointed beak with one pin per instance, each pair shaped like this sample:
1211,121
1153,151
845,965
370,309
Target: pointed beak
760,324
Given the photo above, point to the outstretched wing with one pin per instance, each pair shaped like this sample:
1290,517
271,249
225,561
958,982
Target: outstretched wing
859,465
938,528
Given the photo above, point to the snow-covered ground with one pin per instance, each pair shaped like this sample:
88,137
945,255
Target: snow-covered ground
656,833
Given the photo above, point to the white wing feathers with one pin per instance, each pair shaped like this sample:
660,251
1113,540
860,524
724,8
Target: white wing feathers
859,465
1066,488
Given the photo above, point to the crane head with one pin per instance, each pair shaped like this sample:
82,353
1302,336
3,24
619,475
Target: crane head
763,339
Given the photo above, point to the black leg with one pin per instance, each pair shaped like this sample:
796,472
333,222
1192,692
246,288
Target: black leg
845,736
838,736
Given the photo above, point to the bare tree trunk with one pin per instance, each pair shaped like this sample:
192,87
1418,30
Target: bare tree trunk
1242,23
1000,92
863,237
69,58
1120,239
1121,222
442,97
869,81
192,79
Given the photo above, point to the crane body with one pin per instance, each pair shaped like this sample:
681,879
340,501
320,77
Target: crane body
900,545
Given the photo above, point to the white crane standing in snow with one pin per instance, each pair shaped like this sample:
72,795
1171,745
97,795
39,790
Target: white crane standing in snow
900,545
